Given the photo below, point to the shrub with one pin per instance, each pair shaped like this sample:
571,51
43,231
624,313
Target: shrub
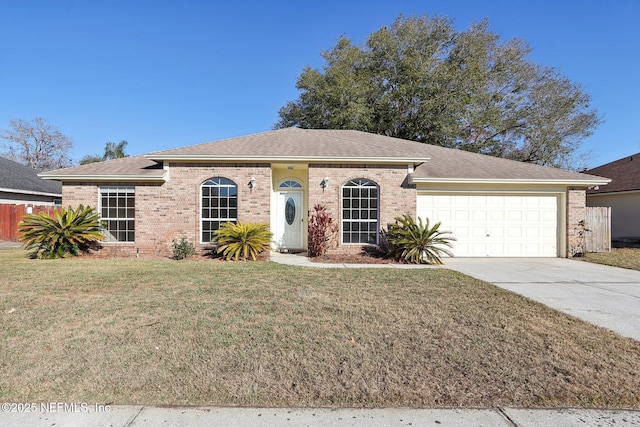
322,231
242,240
66,233
417,242
182,249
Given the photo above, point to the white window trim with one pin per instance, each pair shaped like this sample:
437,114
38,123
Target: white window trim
202,220
342,219
124,189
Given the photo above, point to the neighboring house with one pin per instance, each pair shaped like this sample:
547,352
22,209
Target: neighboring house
20,185
493,206
622,195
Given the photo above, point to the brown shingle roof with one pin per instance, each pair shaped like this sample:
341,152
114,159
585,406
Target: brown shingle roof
446,163
127,168
305,145
624,174
300,144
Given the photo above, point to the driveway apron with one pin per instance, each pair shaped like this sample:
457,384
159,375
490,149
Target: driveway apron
602,295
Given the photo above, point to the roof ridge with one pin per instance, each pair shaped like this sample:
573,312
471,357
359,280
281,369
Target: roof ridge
377,145
218,140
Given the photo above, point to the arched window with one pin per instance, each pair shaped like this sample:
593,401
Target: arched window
360,212
290,183
219,205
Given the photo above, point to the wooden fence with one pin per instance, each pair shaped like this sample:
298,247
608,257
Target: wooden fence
598,229
11,215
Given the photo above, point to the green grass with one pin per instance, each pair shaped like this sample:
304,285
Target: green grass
618,257
202,332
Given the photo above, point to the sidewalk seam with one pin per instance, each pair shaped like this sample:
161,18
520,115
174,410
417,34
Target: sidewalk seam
135,417
506,417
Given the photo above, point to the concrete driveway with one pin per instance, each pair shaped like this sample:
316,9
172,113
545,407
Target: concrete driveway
602,295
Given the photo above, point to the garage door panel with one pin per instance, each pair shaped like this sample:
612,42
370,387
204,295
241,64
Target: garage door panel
514,215
495,215
496,224
463,232
497,231
479,215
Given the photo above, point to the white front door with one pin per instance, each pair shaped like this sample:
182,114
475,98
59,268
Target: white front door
290,221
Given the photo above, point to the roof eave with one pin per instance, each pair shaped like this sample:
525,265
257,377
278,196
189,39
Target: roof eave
270,159
537,181
30,192
98,178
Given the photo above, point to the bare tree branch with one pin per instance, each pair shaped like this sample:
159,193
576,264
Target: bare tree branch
36,143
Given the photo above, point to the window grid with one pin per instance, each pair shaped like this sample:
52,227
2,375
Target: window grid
219,205
290,183
117,213
360,212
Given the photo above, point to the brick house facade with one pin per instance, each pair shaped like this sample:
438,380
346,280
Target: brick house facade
364,180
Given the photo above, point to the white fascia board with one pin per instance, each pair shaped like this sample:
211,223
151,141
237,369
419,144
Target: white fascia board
93,178
284,159
570,182
34,193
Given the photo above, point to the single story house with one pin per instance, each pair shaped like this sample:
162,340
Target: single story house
493,206
21,185
622,194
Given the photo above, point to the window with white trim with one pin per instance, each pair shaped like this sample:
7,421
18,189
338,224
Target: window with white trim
219,205
118,213
290,183
360,212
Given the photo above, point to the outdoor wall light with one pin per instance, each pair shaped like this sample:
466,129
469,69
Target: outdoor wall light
252,182
324,183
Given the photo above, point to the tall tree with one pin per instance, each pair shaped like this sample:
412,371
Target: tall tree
36,143
420,79
111,151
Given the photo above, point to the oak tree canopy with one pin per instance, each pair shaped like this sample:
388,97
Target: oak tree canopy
422,80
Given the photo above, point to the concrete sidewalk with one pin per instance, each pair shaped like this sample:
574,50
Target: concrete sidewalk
134,416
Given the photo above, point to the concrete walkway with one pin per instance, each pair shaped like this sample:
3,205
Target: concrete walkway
136,416
599,294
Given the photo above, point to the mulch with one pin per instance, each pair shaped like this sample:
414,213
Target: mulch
352,259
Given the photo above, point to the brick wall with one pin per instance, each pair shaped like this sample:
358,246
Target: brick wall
396,196
74,194
170,210
576,215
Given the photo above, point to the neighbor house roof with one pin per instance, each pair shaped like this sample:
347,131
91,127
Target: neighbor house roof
17,178
432,163
624,175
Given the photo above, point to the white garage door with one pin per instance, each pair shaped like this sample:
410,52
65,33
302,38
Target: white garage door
507,225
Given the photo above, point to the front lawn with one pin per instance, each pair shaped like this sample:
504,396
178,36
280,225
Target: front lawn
618,257
128,331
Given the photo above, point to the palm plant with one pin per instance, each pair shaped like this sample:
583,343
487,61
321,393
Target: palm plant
66,233
242,240
417,242
114,151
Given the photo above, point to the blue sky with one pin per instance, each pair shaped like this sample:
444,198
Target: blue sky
163,74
